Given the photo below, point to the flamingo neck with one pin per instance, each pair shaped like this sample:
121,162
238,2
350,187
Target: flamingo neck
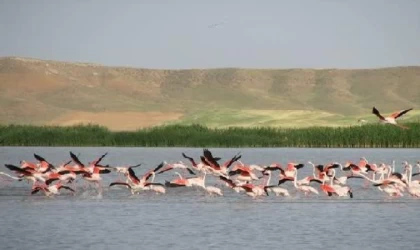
269,179
295,180
409,173
332,177
313,169
390,170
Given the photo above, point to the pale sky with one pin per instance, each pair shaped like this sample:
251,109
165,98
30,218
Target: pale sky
182,34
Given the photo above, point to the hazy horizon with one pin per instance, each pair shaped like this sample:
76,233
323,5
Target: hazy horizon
188,34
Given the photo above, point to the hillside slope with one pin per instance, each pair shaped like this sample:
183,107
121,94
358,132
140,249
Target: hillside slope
50,92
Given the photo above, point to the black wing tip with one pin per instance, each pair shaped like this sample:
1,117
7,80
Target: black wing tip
191,171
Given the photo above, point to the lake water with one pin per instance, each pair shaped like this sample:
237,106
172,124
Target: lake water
188,218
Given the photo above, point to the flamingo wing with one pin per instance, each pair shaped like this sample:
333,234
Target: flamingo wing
190,171
133,175
153,183
68,188
104,171
76,160
138,165
189,158
39,158
315,180
228,181
17,169
209,158
232,160
376,112
283,180
50,180
247,187
300,165
97,161
120,183
418,173
36,190
44,162
170,167
400,113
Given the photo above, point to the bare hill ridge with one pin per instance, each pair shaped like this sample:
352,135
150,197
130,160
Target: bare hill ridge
50,92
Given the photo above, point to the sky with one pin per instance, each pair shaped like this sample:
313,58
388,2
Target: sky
214,34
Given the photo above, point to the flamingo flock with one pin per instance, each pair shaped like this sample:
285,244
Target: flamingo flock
256,181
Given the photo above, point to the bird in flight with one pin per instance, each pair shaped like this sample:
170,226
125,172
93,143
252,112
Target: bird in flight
392,119
214,25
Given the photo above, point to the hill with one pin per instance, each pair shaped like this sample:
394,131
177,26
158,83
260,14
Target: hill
50,92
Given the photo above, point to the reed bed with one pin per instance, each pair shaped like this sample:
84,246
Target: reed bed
365,136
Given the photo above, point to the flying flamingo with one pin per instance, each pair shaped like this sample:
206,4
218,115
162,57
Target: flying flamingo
123,169
50,190
26,173
392,119
178,165
231,184
215,167
179,182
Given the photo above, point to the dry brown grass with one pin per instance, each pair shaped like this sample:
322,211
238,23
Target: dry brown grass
41,92
127,121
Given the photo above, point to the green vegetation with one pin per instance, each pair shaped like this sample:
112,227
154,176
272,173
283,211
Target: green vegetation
39,92
371,135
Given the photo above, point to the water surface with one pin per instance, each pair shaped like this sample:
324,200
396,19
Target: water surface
191,219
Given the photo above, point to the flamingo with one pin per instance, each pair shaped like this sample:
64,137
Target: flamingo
123,169
44,165
134,189
336,189
27,173
392,119
245,174
157,187
198,166
178,165
231,184
386,185
11,177
136,185
211,189
413,189
304,188
275,189
292,168
64,175
50,190
215,167
252,190
179,182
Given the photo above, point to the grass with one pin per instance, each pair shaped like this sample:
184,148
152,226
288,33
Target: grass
366,136
31,94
